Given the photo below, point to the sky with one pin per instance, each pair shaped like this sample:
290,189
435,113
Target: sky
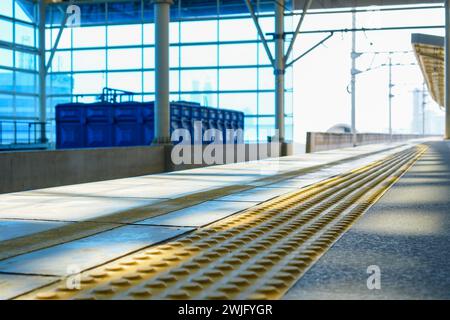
321,78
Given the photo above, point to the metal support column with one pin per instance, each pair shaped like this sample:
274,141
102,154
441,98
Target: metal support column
353,81
390,98
162,105
279,69
42,72
447,69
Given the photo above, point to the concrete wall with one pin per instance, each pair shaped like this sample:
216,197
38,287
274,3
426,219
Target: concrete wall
321,141
28,170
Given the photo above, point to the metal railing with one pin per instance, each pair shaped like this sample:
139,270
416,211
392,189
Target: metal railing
22,132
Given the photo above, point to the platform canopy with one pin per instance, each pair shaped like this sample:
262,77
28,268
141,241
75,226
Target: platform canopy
429,51
297,4
330,4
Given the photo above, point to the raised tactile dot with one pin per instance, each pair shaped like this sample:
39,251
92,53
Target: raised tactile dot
141,293
87,280
120,283
277,283
213,273
153,252
128,263
141,257
146,270
160,264
98,274
132,276
192,286
203,280
173,258
167,278
229,288
191,265
257,296
104,290
284,276
217,296
248,274
114,268
156,284
239,281
181,294
224,266
268,289
47,295
202,260
257,268
180,271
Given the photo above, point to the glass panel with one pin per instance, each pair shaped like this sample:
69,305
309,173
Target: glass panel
26,107
24,34
199,80
199,31
245,102
149,58
238,54
196,56
121,59
6,105
237,29
267,103
85,83
149,81
24,11
266,79
60,84
89,37
127,35
251,129
6,80
205,99
65,41
26,82
25,61
6,28
62,61
6,7
149,33
6,57
89,60
129,81
266,127
238,79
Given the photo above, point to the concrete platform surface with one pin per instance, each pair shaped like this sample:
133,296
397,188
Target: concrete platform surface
27,215
406,235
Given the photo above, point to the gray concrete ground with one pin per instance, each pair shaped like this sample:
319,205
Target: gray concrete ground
406,234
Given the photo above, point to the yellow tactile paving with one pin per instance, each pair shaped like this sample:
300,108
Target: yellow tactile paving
257,254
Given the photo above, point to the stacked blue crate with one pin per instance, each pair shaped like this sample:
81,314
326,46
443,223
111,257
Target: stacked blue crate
148,122
127,124
106,124
71,121
99,125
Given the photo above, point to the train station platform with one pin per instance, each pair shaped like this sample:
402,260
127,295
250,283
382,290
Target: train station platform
239,231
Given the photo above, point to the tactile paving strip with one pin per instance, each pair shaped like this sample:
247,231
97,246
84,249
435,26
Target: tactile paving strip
257,254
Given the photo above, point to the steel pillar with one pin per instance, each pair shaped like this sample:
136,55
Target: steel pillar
390,98
353,81
162,105
42,72
279,69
